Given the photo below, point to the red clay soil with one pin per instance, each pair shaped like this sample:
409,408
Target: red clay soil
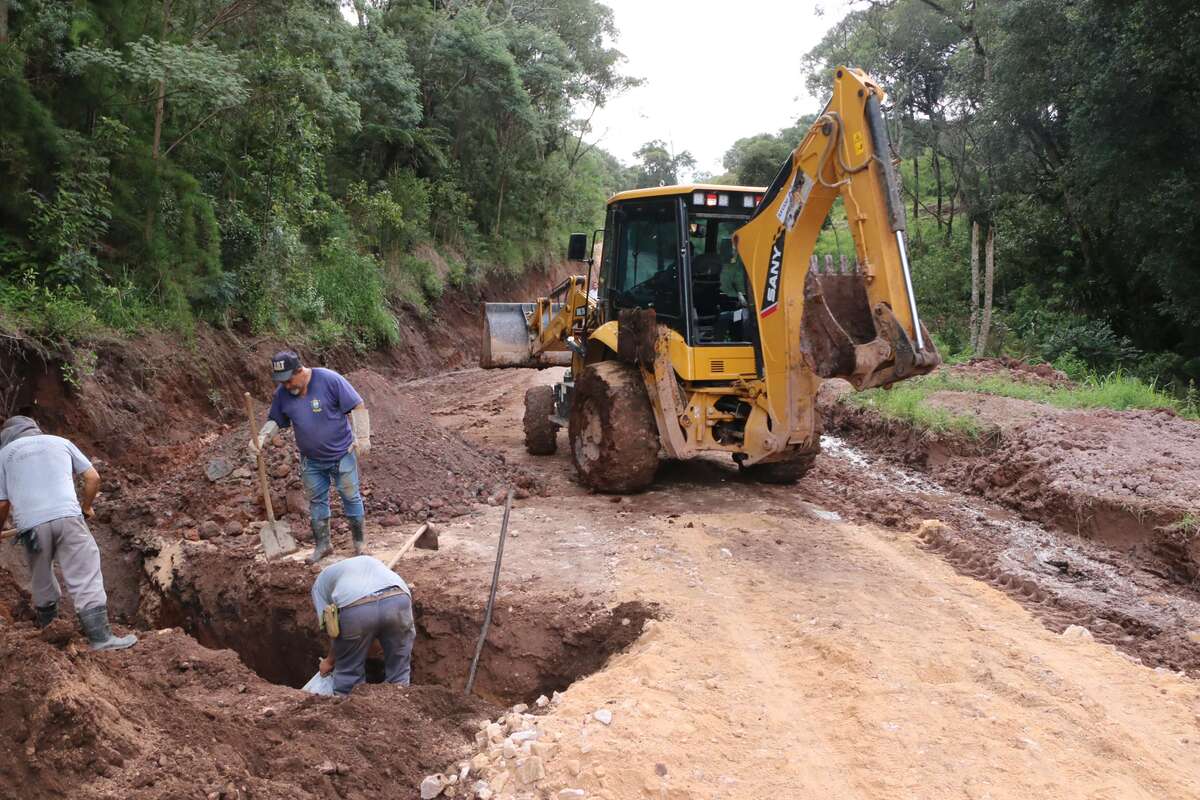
415,470
145,405
170,718
1129,479
1013,369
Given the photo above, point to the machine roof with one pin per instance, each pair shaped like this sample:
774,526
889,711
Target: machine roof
682,188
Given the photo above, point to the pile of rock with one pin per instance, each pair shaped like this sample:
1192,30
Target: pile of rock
513,751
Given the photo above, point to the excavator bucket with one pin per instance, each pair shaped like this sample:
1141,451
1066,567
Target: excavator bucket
508,340
842,336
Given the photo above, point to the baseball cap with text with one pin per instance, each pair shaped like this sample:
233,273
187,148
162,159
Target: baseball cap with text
283,364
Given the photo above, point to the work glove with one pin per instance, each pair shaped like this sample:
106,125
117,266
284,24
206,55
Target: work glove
257,443
360,421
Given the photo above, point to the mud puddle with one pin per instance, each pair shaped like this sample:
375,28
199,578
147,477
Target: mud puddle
1063,578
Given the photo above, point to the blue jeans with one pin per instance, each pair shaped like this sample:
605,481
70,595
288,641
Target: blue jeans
319,475
389,620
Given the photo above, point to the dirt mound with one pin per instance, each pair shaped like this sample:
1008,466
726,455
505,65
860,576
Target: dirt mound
169,718
1129,479
416,470
1014,368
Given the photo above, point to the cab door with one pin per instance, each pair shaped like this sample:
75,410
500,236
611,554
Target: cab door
644,263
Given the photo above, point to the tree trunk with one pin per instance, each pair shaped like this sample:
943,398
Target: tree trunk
974,332
916,183
937,177
989,275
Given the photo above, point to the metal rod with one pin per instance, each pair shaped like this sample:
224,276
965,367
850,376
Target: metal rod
912,298
487,616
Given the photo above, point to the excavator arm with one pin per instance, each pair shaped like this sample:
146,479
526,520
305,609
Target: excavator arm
538,334
862,326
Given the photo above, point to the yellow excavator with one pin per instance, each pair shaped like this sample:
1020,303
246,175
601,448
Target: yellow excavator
708,330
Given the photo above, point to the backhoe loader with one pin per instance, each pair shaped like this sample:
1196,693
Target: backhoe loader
709,331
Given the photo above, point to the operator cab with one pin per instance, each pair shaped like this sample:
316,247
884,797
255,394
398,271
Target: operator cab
671,248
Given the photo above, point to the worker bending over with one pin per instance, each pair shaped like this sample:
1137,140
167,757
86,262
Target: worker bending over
372,602
321,405
37,485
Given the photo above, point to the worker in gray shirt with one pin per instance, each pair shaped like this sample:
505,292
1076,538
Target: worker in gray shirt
372,603
37,485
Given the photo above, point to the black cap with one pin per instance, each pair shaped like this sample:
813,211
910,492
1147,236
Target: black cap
283,364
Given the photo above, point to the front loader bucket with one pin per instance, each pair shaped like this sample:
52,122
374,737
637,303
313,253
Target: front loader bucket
843,337
508,340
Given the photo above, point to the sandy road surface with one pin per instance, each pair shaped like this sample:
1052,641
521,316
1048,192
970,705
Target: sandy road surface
799,656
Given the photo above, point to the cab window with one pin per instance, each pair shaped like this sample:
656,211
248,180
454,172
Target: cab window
646,272
720,298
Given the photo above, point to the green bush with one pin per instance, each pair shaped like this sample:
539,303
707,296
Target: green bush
351,286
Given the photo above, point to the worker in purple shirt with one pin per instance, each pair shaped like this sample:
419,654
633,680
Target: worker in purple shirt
332,429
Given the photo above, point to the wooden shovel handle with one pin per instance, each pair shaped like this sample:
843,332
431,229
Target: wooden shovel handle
404,548
262,463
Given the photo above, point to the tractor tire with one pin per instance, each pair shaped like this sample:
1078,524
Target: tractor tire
541,435
784,472
614,438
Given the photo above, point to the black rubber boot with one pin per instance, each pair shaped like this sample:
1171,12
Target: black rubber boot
94,622
357,535
321,545
46,614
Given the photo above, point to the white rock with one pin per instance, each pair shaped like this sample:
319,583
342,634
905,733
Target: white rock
1076,632
432,786
542,701
482,790
494,732
525,736
520,708
480,762
725,553
603,716
531,770
556,697
499,782
571,794
510,749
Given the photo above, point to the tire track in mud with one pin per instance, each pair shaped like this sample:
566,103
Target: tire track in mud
1063,579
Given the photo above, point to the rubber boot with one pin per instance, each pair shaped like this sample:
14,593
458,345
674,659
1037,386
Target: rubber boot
94,622
321,545
357,535
46,614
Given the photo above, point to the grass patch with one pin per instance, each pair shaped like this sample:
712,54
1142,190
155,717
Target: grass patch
1189,523
1116,390
906,401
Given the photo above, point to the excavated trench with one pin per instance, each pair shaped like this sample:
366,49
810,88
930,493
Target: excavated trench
537,644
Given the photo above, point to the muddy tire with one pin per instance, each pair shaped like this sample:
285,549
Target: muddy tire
614,438
541,435
783,472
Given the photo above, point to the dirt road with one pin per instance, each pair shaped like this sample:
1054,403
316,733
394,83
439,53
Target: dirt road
867,633
798,655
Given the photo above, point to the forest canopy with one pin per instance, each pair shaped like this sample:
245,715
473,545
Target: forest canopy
275,164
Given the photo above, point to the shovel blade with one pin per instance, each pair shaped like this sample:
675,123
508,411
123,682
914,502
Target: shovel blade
276,539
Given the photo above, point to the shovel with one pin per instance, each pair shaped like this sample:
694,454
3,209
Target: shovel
276,536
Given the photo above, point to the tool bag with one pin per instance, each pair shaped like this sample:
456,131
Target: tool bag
329,621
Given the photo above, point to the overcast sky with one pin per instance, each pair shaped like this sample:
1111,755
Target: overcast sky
714,70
